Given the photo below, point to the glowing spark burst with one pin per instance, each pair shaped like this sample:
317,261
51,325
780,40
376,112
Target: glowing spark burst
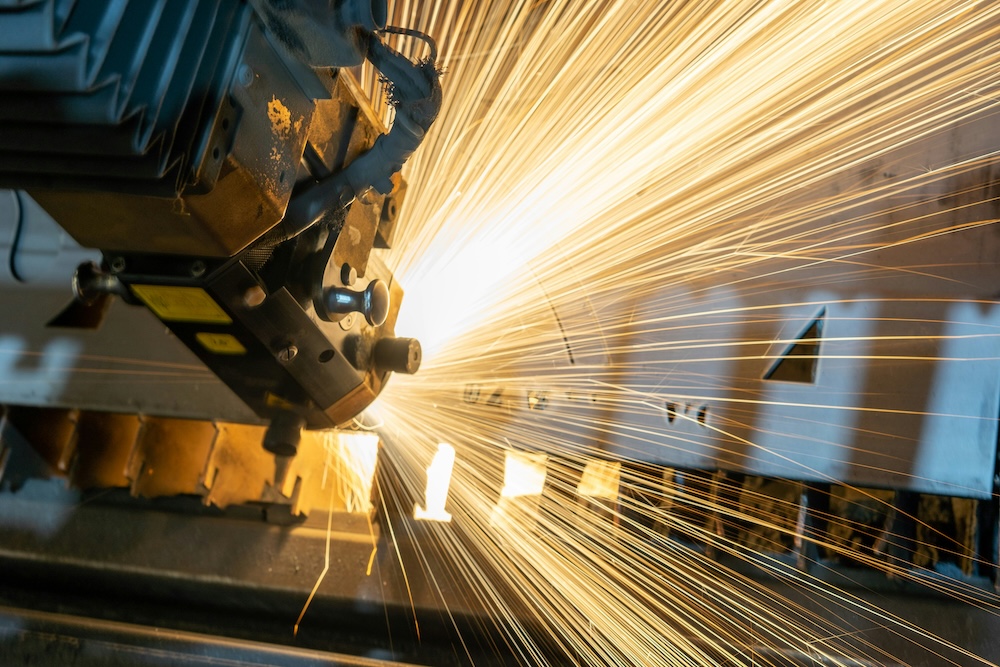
617,199
436,490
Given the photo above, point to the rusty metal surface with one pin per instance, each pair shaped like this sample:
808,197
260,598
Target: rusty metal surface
49,430
354,244
345,125
254,143
35,637
223,464
168,457
252,582
102,446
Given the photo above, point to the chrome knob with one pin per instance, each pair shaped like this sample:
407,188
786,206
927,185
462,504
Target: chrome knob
373,302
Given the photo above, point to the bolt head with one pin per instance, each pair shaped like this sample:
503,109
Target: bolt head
245,75
254,296
377,302
287,353
348,275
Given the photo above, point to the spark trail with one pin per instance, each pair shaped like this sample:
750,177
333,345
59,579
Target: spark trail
617,199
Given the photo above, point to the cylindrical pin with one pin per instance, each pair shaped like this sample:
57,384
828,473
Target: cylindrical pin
400,355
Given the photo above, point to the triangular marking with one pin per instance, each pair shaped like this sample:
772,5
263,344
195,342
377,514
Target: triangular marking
800,361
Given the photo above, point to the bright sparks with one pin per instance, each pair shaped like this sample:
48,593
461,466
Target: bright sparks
626,214
438,482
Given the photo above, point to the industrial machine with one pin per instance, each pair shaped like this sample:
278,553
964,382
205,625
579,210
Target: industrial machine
234,179
196,198
200,191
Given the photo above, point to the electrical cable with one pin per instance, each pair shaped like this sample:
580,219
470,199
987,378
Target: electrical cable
16,240
409,32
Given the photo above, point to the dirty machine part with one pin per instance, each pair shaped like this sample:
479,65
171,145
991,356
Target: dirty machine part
234,178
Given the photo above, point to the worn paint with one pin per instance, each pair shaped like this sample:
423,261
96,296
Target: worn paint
280,117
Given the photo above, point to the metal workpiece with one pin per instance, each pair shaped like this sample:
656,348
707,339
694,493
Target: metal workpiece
36,637
114,581
70,548
207,463
59,554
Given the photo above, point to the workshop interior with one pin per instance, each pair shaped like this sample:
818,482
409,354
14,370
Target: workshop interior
528,332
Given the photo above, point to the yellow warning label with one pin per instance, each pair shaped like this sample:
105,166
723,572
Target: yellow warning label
220,343
181,304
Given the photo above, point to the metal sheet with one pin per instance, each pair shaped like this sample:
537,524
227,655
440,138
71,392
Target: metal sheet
131,363
904,393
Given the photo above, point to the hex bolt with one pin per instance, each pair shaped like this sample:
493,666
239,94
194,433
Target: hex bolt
287,353
197,268
117,264
254,296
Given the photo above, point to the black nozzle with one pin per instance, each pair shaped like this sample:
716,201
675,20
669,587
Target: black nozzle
399,355
284,434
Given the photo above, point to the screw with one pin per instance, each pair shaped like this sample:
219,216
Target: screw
347,322
254,296
245,75
287,353
197,268
117,264
348,274
390,209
